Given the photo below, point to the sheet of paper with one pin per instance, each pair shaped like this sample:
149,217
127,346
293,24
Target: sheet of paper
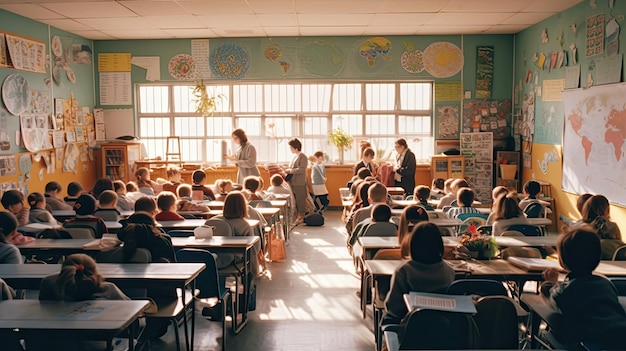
200,53
572,77
115,88
553,89
608,70
114,62
448,91
151,64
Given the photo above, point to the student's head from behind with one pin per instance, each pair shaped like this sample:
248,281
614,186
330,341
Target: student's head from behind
507,206
146,204
580,202
426,243
295,144
532,188
36,200
166,201
183,191
85,205
458,184
362,195
132,187
119,187
224,186
198,177
101,185
377,192
579,250
447,185
368,154
381,213
276,180
363,173
108,199
173,174
235,205
12,200
497,191
251,183
596,206
438,183
79,278
142,173
465,197
422,192
411,215
74,189
8,225
53,188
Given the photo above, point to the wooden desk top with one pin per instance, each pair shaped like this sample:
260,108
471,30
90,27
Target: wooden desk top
216,242
72,213
267,212
218,205
56,244
106,316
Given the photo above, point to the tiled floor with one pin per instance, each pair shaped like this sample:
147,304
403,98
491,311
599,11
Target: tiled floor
308,303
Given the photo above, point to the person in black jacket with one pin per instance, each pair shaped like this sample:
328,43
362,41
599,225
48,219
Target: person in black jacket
405,167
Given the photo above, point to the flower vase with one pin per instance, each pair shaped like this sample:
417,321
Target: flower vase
475,254
341,151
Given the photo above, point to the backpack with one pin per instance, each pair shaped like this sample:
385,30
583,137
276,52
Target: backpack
314,219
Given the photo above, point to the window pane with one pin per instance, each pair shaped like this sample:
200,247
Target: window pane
214,151
247,98
347,97
252,125
153,99
380,124
283,98
154,127
414,125
279,127
191,150
352,124
184,100
316,97
316,125
380,97
154,147
189,126
219,126
415,96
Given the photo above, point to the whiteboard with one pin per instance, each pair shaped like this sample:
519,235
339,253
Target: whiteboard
119,122
594,141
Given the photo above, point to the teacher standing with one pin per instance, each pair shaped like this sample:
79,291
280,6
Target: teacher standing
245,158
296,175
404,175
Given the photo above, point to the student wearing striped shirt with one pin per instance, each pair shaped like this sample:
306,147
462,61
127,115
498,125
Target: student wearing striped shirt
465,198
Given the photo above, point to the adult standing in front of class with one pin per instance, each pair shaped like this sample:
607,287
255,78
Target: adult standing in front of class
296,177
404,175
245,158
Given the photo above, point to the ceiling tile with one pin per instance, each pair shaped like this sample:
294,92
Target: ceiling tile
476,19
35,12
484,6
117,23
138,34
67,24
93,34
338,7
327,31
506,29
549,6
430,29
191,33
234,21
282,31
216,7
527,18
399,19
272,6
183,22
239,32
90,9
154,8
396,6
278,20
328,19
391,30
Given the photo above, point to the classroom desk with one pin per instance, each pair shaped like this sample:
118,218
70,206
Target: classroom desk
281,204
606,268
42,319
56,247
240,245
62,215
34,228
541,310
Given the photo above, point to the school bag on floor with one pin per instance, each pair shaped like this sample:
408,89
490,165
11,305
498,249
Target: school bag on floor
314,219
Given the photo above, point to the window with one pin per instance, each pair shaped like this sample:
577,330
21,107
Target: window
272,113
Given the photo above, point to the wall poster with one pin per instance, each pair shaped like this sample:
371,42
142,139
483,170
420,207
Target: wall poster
477,148
484,71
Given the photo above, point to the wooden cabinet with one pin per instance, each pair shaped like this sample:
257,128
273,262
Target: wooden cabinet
447,167
117,161
507,164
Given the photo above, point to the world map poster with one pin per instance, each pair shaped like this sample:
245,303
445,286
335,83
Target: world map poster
594,141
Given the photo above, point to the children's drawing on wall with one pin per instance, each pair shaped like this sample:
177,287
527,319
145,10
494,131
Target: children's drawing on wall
70,158
15,93
375,49
39,102
81,54
229,60
182,67
594,39
527,148
484,71
612,37
444,59
447,121
5,143
528,116
322,58
412,59
548,157
274,53
487,116
34,131
544,36
7,165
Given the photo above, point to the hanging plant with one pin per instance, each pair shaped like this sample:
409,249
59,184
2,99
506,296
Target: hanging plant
206,105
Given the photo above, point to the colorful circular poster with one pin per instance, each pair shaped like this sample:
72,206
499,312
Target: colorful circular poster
182,67
15,93
412,61
322,58
230,60
443,59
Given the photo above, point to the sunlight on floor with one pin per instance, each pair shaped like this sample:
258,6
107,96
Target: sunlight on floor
319,307
330,281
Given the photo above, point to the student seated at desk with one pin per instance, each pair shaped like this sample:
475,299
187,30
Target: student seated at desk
123,202
198,178
166,202
9,253
74,190
437,190
38,212
376,194
146,185
465,199
361,200
132,192
107,206
508,213
449,198
531,190
495,194
252,185
84,207
13,201
173,180
596,214
424,272
53,199
411,215
421,195
589,304
367,161
184,200
378,224
223,187
101,185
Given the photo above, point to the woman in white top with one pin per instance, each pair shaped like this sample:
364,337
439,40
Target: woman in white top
508,214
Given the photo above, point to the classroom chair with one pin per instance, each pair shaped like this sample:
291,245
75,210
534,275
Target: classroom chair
260,203
81,232
535,210
620,285
620,254
527,229
497,323
482,287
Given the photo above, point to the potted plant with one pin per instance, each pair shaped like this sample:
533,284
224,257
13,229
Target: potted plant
479,246
342,140
205,104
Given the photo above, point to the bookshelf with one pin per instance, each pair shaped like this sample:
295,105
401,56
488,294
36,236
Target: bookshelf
117,161
447,167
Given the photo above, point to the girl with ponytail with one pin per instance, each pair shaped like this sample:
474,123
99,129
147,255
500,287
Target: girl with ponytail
38,212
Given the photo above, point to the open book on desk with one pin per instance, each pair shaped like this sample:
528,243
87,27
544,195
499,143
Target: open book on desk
535,264
441,302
